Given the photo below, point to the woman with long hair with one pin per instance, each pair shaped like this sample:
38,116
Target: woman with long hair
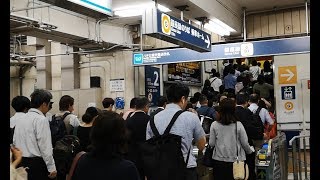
225,141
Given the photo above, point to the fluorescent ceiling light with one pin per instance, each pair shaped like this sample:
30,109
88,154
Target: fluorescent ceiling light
137,10
213,27
222,24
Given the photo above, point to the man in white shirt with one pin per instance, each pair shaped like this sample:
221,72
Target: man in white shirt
33,137
255,70
21,105
264,115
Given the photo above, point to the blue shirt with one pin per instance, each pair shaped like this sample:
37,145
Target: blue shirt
230,81
187,126
207,111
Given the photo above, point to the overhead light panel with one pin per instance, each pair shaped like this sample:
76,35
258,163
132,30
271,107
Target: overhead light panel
137,10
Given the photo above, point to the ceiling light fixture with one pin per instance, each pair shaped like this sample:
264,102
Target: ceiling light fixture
137,10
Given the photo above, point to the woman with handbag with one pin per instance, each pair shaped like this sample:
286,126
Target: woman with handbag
230,142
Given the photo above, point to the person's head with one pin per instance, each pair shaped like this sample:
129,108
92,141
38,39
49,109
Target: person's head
267,66
254,98
108,103
203,100
259,64
162,101
193,101
90,114
189,105
254,62
66,103
227,111
213,71
142,104
232,71
178,93
260,79
133,103
108,135
235,66
207,83
197,95
242,99
222,97
239,61
20,104
40,99
231,96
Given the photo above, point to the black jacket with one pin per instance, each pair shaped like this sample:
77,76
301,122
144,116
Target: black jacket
245,117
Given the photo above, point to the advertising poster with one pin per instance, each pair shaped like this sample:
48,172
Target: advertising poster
152,84
189,73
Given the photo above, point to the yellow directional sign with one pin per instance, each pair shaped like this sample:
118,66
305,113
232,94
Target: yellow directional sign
287,75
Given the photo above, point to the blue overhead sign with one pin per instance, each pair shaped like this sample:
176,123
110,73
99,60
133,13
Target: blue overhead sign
225,51
176,31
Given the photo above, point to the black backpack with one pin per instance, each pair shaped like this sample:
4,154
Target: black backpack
58,127
64,151
257,126
162,157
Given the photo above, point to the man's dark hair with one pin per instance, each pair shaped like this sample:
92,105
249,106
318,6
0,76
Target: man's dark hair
108,136
107,102
254,98
40,96
254,62
197,95
241,99
202,99
232,71
20,103
176,91
141,103
261,79
162,101
193,100
133,102
65,102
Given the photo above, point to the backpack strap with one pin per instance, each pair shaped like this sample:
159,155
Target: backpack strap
258,110
213,80
74,163
65,115
153,127
173,120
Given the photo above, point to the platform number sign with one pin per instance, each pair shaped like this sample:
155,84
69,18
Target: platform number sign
152,84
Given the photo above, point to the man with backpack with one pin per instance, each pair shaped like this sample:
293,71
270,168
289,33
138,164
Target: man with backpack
207,114
65,145
167,153
70,121
259,113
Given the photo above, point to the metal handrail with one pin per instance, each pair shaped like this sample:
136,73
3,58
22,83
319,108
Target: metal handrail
295,137
294,161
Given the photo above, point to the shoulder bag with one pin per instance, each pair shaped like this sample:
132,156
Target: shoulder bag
74,163
240,168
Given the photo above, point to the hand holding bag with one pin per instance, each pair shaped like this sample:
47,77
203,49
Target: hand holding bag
207,156
240,168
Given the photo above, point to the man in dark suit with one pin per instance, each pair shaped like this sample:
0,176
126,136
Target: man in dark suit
162,102
137,125
245,117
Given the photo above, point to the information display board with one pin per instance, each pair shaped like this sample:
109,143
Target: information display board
189,73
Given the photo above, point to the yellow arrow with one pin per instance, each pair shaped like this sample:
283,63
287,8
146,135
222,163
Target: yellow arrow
262,174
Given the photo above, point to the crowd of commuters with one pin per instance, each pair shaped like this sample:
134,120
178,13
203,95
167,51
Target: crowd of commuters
112,141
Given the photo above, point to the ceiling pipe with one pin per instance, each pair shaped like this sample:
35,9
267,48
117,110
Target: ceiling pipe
244,25
307,18
28,8
16,62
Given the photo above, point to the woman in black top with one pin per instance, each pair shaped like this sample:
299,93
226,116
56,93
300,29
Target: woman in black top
84,130
109,140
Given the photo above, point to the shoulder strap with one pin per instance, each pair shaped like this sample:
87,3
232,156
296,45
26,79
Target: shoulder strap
258,110
173,120
129,115
213,80
65,115
74,163
153,127
237,140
